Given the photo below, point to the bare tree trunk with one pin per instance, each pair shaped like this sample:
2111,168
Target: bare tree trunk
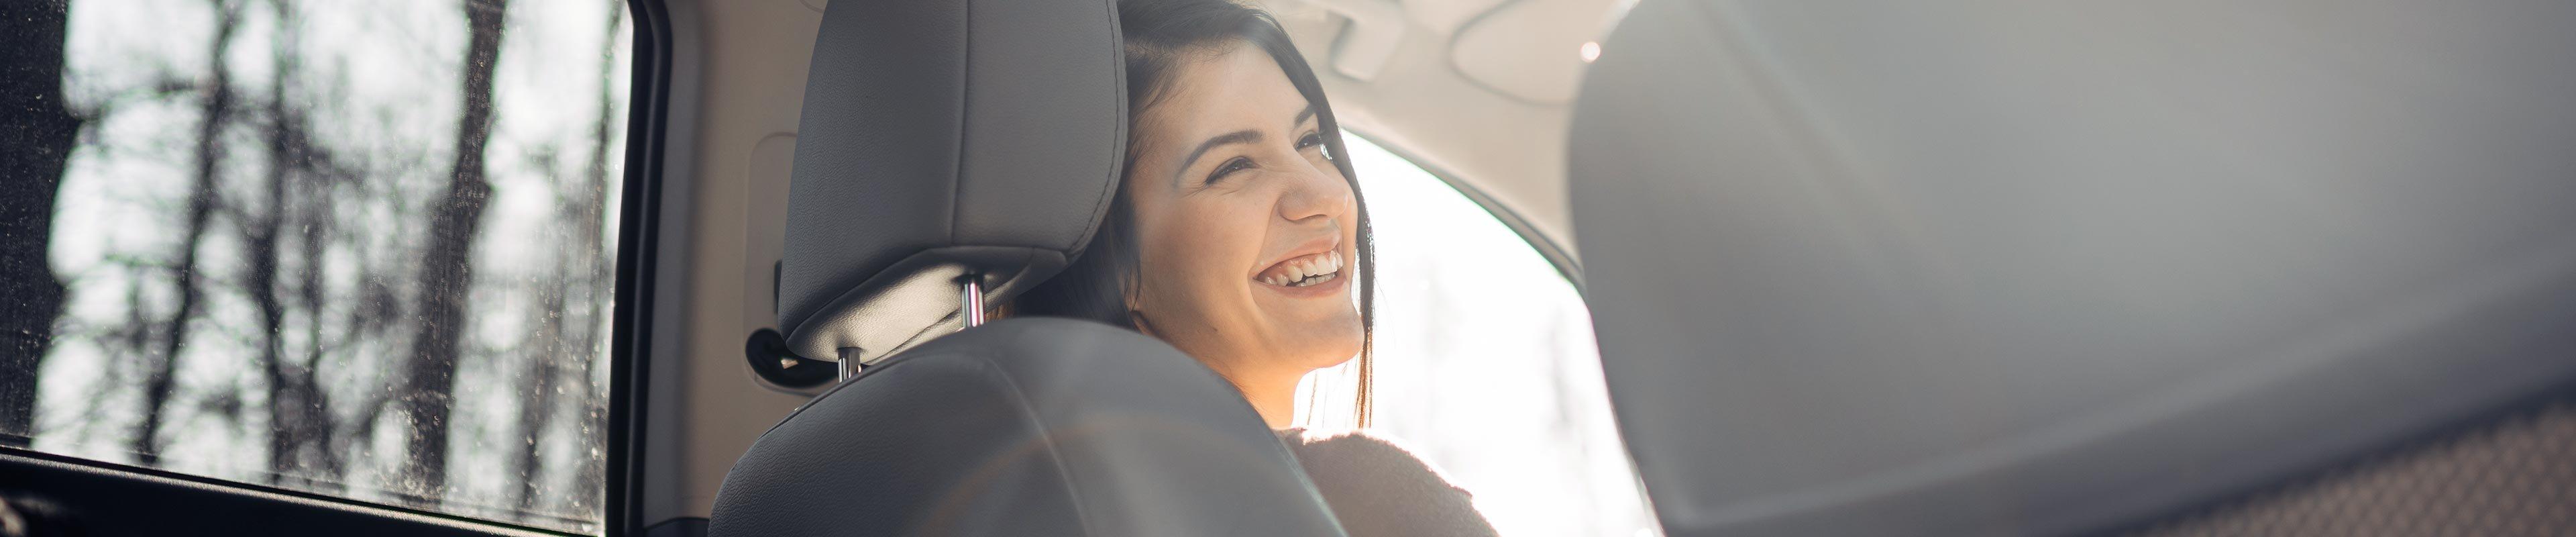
594,264
317,222
446,276
584,283
261,284
537,398
36,141
378,309
216,112
290,428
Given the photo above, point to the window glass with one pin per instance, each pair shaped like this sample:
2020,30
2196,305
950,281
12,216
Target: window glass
1485,364
356,247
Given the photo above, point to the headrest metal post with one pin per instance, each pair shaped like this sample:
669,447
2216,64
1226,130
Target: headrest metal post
849,362
970,303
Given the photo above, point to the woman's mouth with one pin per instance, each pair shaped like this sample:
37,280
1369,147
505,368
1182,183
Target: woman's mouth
1304,271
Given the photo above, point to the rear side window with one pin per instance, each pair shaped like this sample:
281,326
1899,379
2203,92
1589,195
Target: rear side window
1485,363
360,248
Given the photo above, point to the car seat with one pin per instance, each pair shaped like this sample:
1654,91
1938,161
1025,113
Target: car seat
1943,268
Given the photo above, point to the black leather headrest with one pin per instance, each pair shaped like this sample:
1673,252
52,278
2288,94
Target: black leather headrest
941,139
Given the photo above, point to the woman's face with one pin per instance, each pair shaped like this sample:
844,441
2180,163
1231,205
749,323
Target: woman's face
1247,233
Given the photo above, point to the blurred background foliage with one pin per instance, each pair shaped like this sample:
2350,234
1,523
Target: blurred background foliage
360,248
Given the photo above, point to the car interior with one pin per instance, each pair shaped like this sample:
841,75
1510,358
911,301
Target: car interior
1849,268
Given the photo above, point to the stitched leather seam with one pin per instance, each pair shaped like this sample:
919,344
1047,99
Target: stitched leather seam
1118,138
965,106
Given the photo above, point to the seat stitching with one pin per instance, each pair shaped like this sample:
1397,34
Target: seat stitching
1118,137
965,105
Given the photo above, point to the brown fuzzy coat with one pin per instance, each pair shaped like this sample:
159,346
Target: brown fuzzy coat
1379,489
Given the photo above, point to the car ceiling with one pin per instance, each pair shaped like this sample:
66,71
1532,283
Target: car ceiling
1479,91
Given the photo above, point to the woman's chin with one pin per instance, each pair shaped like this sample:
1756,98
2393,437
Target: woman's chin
1332,359
1317,324
1327,344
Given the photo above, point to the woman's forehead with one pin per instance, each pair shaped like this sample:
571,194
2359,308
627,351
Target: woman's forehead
1240,89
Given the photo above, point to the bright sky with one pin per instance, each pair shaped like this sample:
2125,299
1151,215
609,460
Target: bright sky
1485,363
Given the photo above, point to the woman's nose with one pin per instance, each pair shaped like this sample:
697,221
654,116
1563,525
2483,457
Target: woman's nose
1317,192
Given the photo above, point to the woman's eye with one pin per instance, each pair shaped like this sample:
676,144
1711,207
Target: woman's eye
1230,166
1314,139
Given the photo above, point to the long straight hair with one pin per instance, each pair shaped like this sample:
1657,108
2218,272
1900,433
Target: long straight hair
1159,35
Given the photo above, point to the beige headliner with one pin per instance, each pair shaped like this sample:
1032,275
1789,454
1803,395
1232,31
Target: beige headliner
1478,90
1475,89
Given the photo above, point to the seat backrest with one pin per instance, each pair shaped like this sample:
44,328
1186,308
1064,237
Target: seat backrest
1024,427
939,139
1884,267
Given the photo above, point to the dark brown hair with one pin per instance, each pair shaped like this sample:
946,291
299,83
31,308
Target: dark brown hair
1159,36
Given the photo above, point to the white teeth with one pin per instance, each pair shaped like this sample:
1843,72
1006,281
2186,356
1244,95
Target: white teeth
1307,271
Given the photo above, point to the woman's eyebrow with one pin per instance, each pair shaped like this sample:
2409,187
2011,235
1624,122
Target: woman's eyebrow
1303,115
1246,136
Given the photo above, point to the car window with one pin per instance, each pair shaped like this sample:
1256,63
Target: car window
1484,364
361,248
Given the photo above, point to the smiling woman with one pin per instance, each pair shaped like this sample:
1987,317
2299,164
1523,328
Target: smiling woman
1238,237
1235,236
1231,246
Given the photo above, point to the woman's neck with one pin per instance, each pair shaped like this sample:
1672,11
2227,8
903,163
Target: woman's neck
1273,394
1277,403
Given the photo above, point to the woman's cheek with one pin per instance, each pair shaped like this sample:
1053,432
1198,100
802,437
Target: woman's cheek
1217,246
1199,251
